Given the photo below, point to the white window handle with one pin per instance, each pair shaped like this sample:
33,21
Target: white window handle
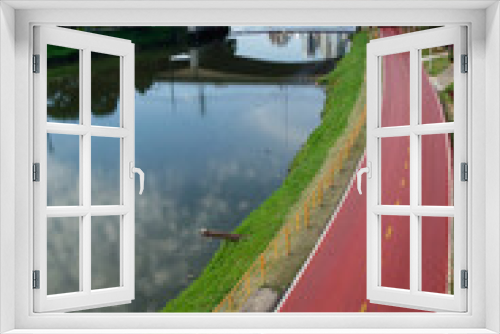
367,170
141,175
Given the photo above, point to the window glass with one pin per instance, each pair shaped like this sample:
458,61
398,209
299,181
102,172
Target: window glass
105,252
395,171
105,93
437,81
395,251
106,171
395,85
63,254
63,170
63,85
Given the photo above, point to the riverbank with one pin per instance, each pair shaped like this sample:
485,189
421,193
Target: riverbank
273,272
233,259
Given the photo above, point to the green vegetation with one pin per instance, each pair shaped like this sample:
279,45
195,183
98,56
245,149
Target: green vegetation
446,95
446,98
59,52
436,65
142,37
233,259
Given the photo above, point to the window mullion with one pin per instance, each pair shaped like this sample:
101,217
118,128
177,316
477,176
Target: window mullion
414,172
85,161
81,193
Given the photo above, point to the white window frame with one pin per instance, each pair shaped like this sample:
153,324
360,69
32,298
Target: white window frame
413,44
86,297
482,19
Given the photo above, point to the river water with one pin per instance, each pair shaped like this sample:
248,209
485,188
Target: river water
216,128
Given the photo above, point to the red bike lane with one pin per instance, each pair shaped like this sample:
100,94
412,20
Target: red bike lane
334,280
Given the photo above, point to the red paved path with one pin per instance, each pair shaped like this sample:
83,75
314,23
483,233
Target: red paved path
335,278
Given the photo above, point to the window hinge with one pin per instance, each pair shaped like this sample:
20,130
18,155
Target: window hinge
36,172
464,172
465,64
464,279
36,279
36,63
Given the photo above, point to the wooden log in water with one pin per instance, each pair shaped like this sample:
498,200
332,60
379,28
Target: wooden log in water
220,235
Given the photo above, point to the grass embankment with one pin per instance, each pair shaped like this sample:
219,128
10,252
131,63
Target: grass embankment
232,260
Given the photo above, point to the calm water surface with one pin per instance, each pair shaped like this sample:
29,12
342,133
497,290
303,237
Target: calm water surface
213,146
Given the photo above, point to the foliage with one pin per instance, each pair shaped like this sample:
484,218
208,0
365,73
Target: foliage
436,65
142,37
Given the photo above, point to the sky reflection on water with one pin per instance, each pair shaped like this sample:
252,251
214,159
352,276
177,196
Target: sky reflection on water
211,154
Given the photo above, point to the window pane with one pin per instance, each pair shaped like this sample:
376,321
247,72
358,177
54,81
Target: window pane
63,85
437,84
395,171
63,169
105,252
63,255
105,171
395,83
395,252
437,169
437,254
105,89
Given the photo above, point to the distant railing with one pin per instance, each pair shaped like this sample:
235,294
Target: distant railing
268,262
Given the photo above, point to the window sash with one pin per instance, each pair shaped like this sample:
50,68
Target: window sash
412,43
86,297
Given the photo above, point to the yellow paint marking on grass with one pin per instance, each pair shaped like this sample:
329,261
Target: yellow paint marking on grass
388,232
363,308
397,202
406,164
403,182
